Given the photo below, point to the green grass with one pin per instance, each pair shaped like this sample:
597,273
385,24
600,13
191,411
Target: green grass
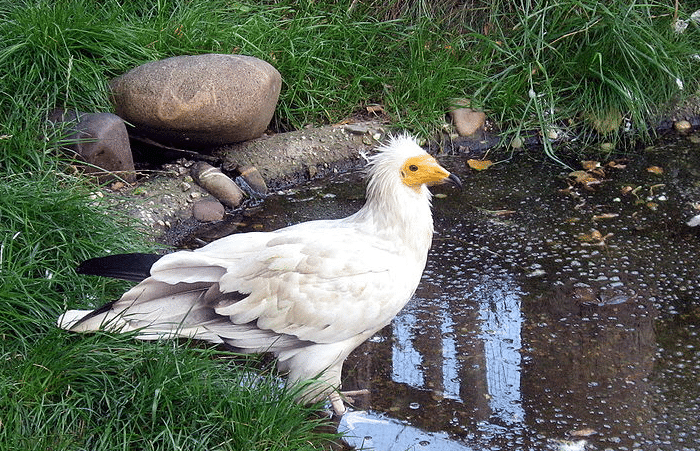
103,392
580,59
529,65
580,56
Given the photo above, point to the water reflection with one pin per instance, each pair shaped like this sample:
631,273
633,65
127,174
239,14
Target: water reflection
370,431
499,327
450,363
406,361
501,323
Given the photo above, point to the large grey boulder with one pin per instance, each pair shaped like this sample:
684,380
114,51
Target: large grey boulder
199,101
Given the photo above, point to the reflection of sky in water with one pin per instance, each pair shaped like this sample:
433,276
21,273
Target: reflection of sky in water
500,323
406,360
450,364
371,431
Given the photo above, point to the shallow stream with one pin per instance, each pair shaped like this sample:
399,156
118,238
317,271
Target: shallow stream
549,316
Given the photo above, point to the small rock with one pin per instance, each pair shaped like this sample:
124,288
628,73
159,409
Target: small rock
101,140
357,129
208,210
605,122
607,146
217,184
516,143
313,171
200,100
682,127
254,179
466,120
553,133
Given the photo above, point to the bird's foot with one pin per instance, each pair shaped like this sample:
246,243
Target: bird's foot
337,398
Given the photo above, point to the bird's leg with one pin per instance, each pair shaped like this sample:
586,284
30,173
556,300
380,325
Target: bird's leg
337,403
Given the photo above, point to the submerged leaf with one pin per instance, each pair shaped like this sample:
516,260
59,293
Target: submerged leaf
618,164
595,238
585,432
589,164
605,216
584,178
655,170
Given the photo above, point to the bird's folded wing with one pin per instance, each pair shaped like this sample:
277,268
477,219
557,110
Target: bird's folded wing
321,287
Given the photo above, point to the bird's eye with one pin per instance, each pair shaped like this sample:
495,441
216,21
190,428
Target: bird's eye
413,168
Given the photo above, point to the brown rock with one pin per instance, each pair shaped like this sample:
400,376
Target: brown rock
208,210
253,178
466,120
605,122
683,126
196,101
101,140
217,184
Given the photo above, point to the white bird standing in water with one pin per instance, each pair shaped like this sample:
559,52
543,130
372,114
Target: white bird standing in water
309,293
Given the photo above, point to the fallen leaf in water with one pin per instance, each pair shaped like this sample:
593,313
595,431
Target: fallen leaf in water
479,165
502,212
598,172
605,216
653,187
585,432
655,170
589,165
585,178
589,237
580,176
652,205
595,238
625,190
618,164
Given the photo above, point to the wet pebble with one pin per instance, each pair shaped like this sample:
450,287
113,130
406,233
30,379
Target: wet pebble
208,210
217,184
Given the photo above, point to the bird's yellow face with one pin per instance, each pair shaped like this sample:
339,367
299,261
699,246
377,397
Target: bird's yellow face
425,170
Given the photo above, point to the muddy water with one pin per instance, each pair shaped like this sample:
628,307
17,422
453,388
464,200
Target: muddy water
547,318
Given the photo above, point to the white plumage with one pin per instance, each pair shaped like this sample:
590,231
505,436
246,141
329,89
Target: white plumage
310,293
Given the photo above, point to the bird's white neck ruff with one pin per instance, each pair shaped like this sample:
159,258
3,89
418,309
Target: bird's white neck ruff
394,209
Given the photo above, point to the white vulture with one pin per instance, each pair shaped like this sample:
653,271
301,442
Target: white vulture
310,293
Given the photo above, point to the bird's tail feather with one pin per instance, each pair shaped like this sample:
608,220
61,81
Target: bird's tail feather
134,267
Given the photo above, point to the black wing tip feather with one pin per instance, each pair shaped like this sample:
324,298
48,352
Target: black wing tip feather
134,267
98,311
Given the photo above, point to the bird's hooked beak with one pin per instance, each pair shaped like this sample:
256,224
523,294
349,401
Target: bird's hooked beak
454,181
